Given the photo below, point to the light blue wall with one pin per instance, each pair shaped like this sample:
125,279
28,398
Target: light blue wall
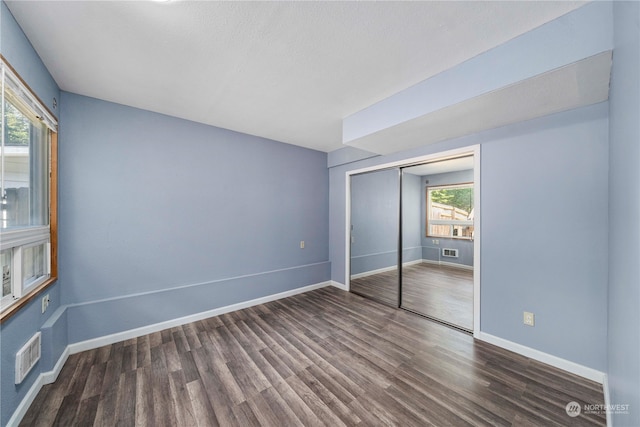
544,237
551,266
347,155
20,327
161,217
17,50
624,211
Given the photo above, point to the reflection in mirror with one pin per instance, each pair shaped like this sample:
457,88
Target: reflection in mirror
437,236
450,210
375,206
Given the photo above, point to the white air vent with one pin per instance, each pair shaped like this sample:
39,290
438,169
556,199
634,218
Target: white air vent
450,252
27,357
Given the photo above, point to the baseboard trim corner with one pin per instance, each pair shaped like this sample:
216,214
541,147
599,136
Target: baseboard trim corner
607,398
339,285
52,375
540,356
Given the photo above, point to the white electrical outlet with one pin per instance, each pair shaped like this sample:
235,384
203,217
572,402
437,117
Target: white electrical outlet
45,302
301,244
435,241
529,319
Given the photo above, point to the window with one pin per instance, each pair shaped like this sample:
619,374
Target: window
27,193
450,211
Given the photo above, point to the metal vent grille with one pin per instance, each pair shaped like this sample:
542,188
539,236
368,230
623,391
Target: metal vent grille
27,357
450,252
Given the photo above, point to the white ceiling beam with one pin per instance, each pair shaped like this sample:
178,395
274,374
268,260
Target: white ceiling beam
440,107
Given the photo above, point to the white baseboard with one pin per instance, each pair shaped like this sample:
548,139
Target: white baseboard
407,264
339,285
372,272
607,398
26,402
385,269
540,356
414,262
43,379
157,327
50,376
448,264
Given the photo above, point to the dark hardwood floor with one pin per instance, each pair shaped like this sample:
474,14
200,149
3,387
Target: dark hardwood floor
382,287
326,357
440,292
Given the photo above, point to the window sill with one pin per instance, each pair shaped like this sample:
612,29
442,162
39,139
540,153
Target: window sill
32,294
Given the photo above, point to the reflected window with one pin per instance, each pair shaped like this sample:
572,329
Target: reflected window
450,211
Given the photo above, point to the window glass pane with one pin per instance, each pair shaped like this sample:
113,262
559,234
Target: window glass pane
33,264
450,211
451,203
5,267
443,230
25,170
463,231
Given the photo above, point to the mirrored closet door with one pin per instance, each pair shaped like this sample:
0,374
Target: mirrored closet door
437,241
375,224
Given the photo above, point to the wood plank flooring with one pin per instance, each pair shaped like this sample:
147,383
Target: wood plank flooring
381,287
326,357
440,292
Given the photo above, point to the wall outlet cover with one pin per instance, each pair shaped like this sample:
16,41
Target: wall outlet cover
45,303
529,318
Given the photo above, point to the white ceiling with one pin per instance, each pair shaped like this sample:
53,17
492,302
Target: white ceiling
289,71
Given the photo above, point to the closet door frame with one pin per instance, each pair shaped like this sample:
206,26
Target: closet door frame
444,155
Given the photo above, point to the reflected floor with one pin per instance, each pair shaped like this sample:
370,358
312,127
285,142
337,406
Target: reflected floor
441,292
382,287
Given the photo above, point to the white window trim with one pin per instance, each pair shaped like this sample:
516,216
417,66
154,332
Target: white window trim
24,94
18,287
18,239
24,289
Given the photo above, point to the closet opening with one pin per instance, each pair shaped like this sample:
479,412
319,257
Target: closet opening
413,236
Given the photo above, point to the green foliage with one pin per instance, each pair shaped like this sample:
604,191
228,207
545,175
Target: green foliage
461,198
16,126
